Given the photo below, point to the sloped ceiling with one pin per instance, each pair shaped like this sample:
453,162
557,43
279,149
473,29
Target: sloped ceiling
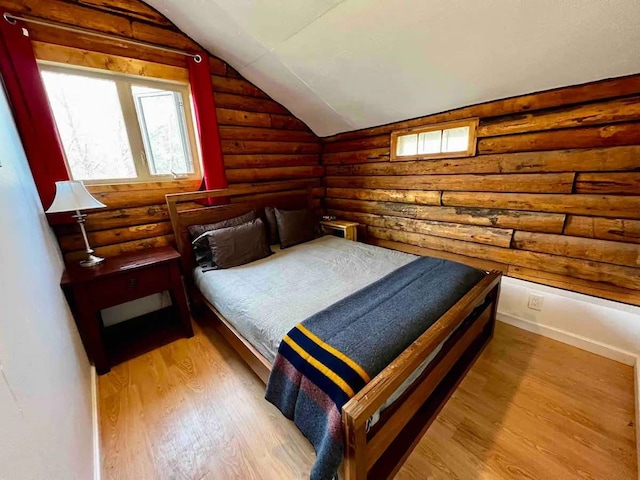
342,65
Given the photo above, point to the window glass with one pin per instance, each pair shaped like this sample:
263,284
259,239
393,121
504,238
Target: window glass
407,145
442,140
455,139
91,125
429,142
161,117
117,128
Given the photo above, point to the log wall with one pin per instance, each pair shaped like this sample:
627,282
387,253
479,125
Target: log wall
261,140
552,196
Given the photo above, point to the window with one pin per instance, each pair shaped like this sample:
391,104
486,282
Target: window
117,128
444,140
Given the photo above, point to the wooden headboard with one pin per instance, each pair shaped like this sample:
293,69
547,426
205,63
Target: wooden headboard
234,201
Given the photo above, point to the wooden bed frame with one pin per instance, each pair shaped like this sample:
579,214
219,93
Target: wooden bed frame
379,453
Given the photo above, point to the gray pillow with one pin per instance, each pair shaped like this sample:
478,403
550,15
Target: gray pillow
272,225
199,238
295,226
235,246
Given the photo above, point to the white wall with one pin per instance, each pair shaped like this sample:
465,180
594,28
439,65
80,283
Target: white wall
45,382
601,326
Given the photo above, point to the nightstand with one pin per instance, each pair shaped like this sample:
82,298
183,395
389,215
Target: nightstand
119,280
346,229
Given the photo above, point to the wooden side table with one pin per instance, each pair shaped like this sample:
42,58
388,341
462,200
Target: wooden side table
349,230
119,280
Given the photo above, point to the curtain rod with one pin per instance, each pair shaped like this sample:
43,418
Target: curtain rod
12,19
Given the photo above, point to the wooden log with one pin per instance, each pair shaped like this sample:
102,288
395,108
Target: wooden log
532,182
534,222
619,276
122,198
162,36
69,243
171,186
418,197
359,144
243,175
277,160
603,228
71,14
237,147
588,137
266,134
217,66
129,8
112,63
589,92
612,111
565,282
590,205
240,118
478,263
584,160
124,247
487,235
360,156
123,217
241,190
287,122
232,101
112,47
236,85
621,183
576,247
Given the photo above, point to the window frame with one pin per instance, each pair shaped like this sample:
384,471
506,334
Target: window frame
472,123
135,134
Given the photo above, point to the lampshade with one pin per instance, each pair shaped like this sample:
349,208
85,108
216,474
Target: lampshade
71,195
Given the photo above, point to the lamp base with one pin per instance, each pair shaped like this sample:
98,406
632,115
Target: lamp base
91,261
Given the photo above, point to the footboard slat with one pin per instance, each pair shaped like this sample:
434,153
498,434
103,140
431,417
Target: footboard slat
382,454
366,402
380,442
397,453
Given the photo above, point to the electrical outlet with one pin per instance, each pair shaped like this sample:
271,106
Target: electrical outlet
535,302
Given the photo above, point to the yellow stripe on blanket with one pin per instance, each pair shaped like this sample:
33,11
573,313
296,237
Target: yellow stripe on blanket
336,353
330,374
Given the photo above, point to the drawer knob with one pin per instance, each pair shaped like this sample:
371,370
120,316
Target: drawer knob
132,283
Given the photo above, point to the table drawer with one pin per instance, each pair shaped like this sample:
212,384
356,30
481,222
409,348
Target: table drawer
130,285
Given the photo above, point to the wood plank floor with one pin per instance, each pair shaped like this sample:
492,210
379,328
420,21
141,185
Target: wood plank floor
530,408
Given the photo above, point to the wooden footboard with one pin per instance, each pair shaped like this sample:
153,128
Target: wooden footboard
468,325
380,453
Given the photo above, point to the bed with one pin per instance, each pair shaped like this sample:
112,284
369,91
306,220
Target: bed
254,308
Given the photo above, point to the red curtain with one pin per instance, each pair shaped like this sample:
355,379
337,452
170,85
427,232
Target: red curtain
31,110
214,176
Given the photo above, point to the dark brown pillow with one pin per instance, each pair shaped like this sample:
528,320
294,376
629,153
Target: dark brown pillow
235,246
272,225
295,226
199,239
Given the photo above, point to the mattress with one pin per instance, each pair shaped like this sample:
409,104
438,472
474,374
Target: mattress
265,299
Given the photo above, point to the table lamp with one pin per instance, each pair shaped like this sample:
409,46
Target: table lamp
72,196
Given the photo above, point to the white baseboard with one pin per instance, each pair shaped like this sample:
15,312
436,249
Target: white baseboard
95,420
570,338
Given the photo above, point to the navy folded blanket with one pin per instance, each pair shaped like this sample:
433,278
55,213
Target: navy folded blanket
325,360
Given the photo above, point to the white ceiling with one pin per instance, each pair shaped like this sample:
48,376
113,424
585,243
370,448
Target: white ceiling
342,65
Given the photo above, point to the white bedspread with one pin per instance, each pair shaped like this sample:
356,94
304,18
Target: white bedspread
263,300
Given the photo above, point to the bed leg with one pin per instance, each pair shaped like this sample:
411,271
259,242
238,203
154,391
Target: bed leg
355,461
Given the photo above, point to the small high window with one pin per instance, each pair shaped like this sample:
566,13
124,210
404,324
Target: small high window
443,140
122,129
